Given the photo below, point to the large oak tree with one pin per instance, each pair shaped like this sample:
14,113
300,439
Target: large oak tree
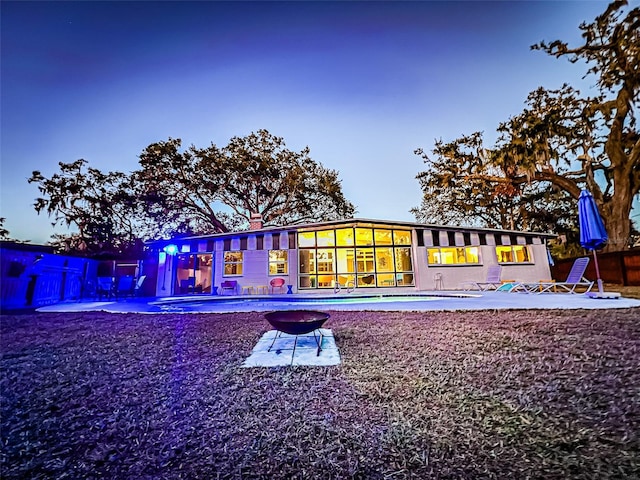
100,206
558,145
214,189
189,191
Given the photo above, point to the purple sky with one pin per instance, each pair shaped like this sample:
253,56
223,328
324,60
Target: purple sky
361,83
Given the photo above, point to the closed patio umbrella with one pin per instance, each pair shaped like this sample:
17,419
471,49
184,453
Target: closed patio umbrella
593,235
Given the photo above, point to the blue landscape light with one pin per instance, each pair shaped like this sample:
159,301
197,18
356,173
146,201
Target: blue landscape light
171,249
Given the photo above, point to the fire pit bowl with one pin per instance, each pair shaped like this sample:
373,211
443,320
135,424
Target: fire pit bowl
296,322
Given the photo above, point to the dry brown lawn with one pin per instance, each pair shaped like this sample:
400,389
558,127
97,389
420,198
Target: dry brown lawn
499,394
628,292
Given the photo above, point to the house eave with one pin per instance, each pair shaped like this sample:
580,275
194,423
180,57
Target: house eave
365,222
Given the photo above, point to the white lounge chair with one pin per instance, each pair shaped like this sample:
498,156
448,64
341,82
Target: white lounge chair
574,280
492,282
137,291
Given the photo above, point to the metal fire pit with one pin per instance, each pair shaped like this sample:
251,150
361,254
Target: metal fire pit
297,322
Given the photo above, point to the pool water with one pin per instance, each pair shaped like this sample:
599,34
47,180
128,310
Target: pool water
218,303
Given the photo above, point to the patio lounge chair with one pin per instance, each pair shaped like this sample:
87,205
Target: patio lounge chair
574,280
493,281
105,287
124,286
137,290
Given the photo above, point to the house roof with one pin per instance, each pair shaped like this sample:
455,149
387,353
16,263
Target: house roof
351,221
25,247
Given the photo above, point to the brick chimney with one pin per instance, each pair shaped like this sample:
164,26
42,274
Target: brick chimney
255,221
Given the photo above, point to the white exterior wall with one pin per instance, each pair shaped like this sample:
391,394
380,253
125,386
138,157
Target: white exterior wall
164,282
293,269
452,277
426,277
420,275
255,268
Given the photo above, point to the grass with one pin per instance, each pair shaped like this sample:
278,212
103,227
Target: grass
632,291
507,394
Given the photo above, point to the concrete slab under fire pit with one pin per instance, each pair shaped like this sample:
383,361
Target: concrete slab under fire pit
288,350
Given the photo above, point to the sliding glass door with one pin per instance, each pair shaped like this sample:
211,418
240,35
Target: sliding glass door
193,273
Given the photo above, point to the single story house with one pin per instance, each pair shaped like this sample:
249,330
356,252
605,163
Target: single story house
347,254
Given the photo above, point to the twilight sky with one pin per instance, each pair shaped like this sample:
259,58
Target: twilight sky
363,84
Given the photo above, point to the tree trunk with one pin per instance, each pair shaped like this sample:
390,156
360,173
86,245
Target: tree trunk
615,214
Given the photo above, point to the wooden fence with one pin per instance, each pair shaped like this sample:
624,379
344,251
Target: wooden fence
33,276
621,268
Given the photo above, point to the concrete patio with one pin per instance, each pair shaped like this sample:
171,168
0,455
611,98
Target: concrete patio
440,301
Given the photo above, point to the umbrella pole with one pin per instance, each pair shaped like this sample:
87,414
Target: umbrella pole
595,259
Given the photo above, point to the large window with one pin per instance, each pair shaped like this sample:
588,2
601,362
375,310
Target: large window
383,236
401,237
324,260
357,256
306,239
364,236
326,238
344,237
364,260
513,254
404,266
453,256
232,263
384,260
403,259
278,264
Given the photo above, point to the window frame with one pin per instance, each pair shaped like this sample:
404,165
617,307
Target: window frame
526,248
235,263
284,263
465,249
397,259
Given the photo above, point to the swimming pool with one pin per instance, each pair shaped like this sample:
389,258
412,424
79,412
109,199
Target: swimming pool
424,302
288,302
